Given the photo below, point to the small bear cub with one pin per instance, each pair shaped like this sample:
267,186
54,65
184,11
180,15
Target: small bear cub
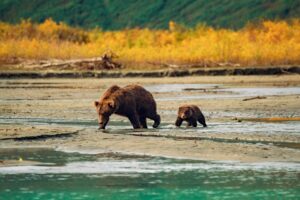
191,114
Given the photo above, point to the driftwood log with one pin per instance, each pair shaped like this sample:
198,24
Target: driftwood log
252,98
104,62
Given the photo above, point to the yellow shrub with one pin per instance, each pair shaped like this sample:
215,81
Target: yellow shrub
268,43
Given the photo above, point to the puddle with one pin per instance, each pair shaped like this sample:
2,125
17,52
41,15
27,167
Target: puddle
285,128
263,91
130,177
160,88
216,91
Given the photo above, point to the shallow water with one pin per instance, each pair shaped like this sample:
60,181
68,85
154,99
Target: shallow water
245,127
178,87
109,176
218,91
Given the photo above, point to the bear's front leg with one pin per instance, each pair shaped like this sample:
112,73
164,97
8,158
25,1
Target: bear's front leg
193,122
178,122
134,120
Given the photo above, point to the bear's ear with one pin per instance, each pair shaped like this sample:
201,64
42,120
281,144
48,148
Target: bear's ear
96,103
111,104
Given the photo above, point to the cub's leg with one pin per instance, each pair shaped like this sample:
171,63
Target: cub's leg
192,122
178,122
188,124
201,120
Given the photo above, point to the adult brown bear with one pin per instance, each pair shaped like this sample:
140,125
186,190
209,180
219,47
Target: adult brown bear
132,101
191,114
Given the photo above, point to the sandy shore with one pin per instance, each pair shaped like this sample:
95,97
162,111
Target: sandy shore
58,113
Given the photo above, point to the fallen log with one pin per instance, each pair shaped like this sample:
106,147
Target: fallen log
98,63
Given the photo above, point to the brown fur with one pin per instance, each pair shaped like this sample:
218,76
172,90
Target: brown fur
132,101
191,114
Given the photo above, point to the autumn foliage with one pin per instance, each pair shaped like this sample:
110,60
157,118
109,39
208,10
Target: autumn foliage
266,43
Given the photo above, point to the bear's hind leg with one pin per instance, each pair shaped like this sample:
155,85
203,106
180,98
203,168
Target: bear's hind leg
155,117
156,121
143,121
201,120
192,122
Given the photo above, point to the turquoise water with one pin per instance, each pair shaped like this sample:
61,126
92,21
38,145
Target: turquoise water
62,175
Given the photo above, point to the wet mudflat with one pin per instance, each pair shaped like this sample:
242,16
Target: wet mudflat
249,142
59,113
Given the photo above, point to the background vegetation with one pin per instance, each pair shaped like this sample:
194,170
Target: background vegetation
266,43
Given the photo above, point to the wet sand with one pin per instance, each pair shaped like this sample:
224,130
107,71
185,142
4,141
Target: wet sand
58,113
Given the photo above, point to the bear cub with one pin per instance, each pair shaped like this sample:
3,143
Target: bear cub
132,101
191,114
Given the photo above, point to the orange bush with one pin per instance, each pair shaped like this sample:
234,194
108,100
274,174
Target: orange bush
267,43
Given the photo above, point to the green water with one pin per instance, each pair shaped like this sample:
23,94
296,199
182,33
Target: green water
110,176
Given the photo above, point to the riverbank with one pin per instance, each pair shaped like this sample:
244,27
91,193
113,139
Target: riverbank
229,71
58,113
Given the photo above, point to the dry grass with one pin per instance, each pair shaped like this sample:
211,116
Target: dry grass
267,43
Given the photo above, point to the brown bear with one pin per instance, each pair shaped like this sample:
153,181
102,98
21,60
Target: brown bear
132,101
191,114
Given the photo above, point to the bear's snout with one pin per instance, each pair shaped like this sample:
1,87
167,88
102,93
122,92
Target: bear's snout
102,124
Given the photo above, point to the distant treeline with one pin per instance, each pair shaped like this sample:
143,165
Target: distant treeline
155,14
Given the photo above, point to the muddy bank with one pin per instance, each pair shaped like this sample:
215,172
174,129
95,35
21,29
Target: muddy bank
58,113
155,73
91,141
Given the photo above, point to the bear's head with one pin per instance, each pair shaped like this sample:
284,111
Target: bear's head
105,109
185,112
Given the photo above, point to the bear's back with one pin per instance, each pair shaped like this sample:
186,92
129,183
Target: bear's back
109,92
143,98
138,91
195,109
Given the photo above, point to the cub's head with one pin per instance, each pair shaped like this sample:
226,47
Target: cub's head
105,109
185,112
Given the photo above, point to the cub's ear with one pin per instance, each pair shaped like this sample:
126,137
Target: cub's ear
111,104
96,103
